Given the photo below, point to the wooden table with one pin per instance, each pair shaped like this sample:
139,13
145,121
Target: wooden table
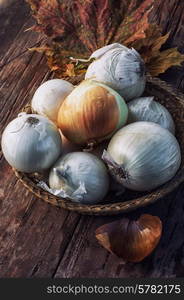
39,240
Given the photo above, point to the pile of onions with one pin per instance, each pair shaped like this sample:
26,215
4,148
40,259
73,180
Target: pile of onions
71,121
69,135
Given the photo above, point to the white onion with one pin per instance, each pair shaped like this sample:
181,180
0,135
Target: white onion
146,109
119,67
31,143
81,176
143,155
49,97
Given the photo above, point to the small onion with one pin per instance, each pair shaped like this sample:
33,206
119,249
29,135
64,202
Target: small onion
81,176
49,96
31,143
91,113
146,109
120,68
143,155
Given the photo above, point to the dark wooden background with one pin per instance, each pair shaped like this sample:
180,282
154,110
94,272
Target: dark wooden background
39,240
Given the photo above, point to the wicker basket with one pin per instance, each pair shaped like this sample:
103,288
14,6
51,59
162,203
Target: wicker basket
174,101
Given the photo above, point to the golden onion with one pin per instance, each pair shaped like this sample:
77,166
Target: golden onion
92,112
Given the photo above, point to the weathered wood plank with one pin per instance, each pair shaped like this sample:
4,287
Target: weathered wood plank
11,20
33,234
20,78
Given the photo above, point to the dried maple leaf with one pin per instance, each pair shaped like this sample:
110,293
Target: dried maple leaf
166,59
77,28
157,61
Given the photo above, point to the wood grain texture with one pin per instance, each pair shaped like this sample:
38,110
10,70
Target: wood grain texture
169,15
39,240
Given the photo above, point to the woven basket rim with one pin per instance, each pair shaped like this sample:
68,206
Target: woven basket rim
117,207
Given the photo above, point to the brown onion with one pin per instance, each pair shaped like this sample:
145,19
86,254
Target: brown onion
91,113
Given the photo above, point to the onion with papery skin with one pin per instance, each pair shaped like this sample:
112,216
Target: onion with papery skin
82,177
146,109
120,68
31,143
49,97
91,113
142,156
131,240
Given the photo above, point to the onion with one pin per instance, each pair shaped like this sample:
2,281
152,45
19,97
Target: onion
80,176
143,155
31,143
146,109
49,96
120,68
91,113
